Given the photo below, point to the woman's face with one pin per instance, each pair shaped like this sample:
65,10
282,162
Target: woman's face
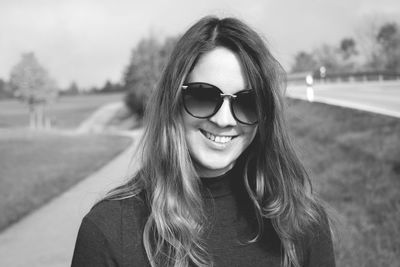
211,154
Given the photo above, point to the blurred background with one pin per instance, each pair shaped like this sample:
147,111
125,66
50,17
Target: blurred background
75,77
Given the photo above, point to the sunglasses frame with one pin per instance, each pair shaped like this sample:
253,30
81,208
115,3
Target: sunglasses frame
231,98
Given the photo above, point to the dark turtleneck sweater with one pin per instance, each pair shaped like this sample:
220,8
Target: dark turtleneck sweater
111,233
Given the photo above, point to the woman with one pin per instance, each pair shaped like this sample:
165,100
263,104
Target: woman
219,183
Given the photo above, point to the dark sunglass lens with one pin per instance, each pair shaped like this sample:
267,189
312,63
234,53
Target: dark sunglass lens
201,100
245,107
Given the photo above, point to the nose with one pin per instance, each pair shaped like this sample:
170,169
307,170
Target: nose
224,116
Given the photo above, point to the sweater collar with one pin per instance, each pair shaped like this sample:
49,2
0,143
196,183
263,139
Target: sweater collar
222,185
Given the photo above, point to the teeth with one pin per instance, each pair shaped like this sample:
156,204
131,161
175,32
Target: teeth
218,139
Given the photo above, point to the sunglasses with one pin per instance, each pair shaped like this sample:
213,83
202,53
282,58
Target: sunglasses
203,100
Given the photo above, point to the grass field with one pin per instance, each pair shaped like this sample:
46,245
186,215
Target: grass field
354,161
35,166
66,112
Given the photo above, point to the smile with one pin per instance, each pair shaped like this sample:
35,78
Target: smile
221,139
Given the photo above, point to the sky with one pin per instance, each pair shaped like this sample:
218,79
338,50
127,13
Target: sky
90,41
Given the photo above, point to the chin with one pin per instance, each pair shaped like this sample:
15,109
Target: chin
213,167
218,166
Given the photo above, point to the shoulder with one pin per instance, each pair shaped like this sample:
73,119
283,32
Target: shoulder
318,244
110,216
111,234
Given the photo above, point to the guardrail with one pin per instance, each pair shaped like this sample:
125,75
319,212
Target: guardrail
300,78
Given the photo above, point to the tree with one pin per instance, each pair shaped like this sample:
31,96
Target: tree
5,90
372,38
376,48
110,87
32,84
381,44
304,62
165,51
348,48
327,56
348,54
141,76
72,89
334,59
387,34
388,37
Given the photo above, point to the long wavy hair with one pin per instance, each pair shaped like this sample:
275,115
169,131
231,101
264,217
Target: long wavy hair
275,179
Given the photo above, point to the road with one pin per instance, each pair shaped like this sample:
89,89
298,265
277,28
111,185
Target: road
377,97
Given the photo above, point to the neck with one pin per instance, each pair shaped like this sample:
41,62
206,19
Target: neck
208,173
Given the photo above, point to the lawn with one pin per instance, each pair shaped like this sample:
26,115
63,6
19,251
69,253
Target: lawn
66,112
37,166
354,161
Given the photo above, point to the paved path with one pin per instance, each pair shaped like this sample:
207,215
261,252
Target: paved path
47,236
377,97
100,118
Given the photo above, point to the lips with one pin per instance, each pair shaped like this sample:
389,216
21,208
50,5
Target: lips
220,139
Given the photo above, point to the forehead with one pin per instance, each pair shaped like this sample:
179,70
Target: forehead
222,68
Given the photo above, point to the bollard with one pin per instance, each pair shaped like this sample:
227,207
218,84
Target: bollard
310,90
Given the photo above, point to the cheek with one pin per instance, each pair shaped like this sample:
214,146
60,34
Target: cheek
250,134
191,126
189,122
